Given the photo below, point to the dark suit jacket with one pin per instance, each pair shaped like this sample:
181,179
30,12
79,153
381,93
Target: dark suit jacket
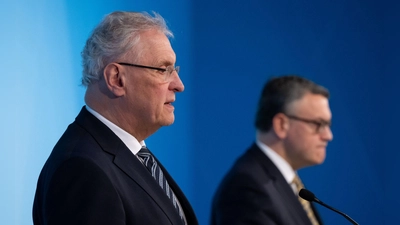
255,192
91,177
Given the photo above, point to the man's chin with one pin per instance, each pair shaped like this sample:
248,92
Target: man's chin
320,161
168,121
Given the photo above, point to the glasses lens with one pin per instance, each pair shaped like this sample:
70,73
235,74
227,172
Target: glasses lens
170,70
322,126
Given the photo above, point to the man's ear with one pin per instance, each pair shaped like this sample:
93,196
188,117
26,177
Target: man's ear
114,79
280,125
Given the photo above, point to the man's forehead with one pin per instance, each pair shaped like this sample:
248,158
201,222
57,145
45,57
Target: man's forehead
155,46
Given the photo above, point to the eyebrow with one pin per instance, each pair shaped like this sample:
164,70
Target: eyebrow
163,62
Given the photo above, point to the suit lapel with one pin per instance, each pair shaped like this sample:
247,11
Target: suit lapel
127,162
187,208
284,190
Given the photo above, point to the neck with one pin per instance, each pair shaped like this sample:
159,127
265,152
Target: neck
112,108
273,142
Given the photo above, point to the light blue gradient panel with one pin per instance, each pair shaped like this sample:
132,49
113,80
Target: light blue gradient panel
40,97
41,69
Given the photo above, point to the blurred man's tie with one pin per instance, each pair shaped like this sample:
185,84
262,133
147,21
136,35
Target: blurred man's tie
151,164
306,204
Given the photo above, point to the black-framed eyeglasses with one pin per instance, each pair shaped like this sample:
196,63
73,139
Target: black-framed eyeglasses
167,71
320,124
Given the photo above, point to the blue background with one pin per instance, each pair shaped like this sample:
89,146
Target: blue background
227,50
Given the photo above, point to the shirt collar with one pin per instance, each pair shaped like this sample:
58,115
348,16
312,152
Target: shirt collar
283,166
130,141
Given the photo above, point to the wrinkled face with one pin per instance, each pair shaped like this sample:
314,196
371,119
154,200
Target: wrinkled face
149,98
305,146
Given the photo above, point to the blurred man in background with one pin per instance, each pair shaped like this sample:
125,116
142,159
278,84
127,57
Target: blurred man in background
293,130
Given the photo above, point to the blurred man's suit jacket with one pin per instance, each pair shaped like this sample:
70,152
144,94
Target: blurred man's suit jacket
255,192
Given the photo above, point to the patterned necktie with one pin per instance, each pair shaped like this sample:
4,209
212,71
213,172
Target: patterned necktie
306,204
152,165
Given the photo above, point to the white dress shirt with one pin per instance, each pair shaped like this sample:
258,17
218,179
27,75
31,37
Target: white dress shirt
283,166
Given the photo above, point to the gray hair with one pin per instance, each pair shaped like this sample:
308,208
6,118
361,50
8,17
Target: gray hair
116,34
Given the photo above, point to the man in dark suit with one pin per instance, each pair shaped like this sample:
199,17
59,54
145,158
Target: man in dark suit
100,171
293,130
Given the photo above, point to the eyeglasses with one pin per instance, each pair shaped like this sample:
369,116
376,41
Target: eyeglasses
320,124
166,72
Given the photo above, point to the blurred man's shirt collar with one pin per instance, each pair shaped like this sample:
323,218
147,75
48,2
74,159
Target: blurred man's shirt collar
283,166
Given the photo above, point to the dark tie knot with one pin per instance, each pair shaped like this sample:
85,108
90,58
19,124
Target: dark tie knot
146,156
144,152
144,149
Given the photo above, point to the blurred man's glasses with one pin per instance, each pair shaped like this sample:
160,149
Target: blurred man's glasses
320,124
166,72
